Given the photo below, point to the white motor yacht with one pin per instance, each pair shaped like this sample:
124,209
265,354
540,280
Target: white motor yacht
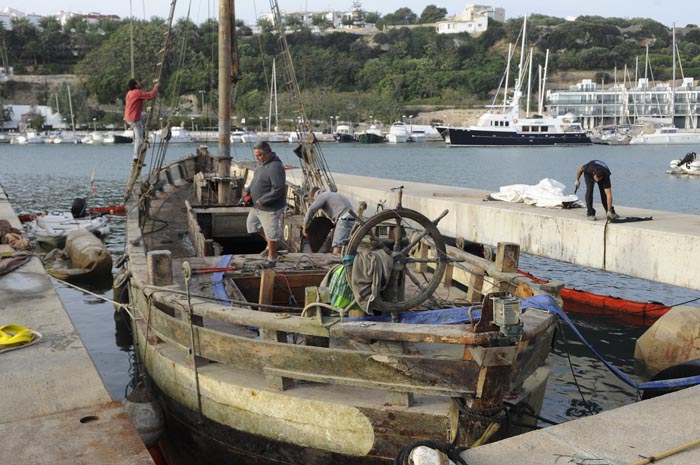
398,133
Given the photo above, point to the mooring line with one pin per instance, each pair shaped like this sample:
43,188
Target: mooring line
120,305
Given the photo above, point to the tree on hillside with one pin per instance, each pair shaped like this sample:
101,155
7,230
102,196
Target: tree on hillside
358,14
432,14
692,36
85,37
401,16
54,42
265,26
373,17
492,35
580,35
23,41
107,69
319,20
6,112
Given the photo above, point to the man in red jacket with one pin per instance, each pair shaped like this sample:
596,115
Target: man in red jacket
134,108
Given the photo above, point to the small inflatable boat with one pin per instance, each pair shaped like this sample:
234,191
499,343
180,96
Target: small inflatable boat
690,164
53,228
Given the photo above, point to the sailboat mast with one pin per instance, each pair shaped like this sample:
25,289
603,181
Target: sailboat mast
522,54
673,79
274,83
273,100
529,83
540,107
228,72
70,105
505,89
518,89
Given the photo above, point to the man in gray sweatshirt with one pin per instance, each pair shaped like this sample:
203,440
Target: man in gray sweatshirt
268,194
337,208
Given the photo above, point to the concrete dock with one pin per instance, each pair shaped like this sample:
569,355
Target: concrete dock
666,249
622,436
54,407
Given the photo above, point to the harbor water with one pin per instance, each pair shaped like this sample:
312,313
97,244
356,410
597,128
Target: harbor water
48,177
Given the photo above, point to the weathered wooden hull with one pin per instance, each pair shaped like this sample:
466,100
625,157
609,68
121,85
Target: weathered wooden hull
223,444
298,389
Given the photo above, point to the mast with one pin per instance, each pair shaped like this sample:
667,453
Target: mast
273,100
505,89
673,79
646,61
517,91
529,83
70,105
539,89
540,107
228,72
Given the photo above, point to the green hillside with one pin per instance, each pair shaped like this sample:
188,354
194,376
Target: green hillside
344,74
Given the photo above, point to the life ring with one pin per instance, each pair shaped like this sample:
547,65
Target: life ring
515,120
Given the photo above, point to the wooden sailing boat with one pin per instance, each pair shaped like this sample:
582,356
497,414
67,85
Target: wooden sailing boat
265,364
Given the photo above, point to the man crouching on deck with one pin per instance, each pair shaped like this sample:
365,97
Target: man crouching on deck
267,192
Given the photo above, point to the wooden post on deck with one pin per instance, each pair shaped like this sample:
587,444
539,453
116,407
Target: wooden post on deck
316,294
159,265
507,257
267,286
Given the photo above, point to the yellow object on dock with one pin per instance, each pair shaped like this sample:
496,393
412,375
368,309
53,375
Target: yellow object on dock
14,336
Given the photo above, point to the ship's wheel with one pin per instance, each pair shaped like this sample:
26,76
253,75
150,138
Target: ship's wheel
399,233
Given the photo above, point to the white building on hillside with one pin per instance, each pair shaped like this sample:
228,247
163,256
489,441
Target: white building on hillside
474,20
21,115
332,18
8,14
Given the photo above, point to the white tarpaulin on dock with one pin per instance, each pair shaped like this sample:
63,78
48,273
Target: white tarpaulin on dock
548,193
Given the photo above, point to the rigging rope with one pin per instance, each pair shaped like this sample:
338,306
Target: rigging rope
143,148
313,162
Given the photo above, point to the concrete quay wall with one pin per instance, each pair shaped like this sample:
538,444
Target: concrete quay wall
54,407
666,249
625,435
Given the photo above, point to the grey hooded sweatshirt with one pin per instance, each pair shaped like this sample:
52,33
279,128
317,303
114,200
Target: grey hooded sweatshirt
268,187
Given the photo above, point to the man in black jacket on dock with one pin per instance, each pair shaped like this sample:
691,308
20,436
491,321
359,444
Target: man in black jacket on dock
596,171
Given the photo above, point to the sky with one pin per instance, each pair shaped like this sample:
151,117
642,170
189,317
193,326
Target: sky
664,11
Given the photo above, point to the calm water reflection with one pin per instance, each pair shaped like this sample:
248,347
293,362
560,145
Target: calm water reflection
48,177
